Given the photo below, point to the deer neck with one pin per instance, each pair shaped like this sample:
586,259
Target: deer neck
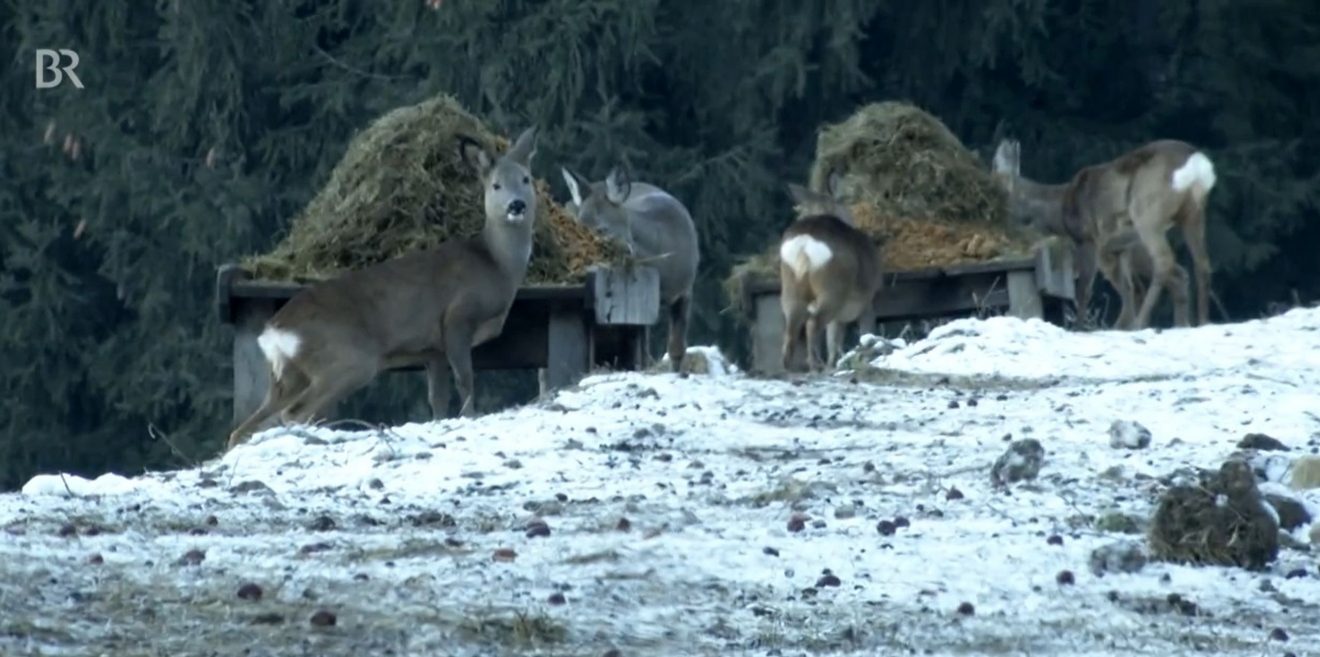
510,246
1042,203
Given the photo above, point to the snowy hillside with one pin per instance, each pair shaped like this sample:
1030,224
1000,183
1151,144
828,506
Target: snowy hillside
712,514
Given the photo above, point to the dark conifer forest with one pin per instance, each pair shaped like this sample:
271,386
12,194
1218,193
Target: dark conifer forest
203,128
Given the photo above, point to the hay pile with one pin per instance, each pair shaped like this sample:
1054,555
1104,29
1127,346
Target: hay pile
1223,521
400,187
913,186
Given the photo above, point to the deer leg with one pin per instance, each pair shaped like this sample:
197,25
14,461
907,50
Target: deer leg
1162,270
833,341
813,337
678,321
794,322
1194,234
1086,269
458,349
281,392
326,389
438,387
1178,283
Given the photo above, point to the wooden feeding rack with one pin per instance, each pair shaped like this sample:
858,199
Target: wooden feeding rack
1032,286
559,330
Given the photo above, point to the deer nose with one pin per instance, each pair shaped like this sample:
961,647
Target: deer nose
517,207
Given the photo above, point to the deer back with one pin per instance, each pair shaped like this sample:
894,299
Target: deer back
655,225
400,307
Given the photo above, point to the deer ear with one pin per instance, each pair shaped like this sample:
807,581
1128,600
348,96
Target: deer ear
618,185
474,154
798,193
832,184
1008,157
574,188
524,148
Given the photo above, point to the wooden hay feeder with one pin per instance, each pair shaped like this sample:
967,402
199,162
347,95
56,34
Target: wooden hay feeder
560,330
1033,286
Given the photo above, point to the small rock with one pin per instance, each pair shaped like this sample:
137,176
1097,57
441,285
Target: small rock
797,522
251,486
556,598
966,609
828,579
1065,578
770,551
901,522
1261,442
1021,462
191,558
954,494
538,529
1296,573
1127,434
212,521
1054,539
1292,513
1119,557
249,591
1278,634
953,403
268,618
973,402
886,527
67,530
868,467
623,525
322,523
505,554
96,559
432,518
1305,473
612,652
323,618
1119,523
845,511
513,464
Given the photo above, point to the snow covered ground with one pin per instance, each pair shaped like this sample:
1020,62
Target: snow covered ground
659,514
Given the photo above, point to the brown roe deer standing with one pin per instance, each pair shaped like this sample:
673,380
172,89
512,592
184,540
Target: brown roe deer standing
656,228
829,272
428,307
1110,209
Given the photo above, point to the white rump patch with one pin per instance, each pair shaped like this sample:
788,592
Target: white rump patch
804,253
280,346
1197,171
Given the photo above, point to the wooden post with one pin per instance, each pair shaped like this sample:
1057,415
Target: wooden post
767,334
629,295
251,373
1023,295
567,349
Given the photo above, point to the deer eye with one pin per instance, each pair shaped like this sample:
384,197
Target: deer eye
495,186
526,180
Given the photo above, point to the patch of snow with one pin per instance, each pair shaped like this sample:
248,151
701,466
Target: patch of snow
668,502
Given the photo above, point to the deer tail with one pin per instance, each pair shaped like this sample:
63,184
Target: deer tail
804,254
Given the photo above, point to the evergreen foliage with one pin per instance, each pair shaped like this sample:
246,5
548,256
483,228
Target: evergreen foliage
205,127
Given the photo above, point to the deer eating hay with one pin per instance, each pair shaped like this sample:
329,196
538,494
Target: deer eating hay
656,228
428,307
1109,209
829,272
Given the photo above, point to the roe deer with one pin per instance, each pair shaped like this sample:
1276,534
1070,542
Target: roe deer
428,307
1131,201
829,272
656,228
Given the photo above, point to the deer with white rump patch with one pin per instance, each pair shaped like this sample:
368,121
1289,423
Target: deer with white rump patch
428,307
829,273
1110,209
657,229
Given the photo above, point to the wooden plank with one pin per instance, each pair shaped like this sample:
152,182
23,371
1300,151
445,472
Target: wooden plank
567,350
251,372
1024,296
1056,273
764,284
625,295
913,299
225,278
767,334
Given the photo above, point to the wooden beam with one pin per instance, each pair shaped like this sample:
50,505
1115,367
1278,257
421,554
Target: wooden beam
251,372
767,334
567,350
1024,296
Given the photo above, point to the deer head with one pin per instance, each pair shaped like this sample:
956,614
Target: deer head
811,202
599,205
510,196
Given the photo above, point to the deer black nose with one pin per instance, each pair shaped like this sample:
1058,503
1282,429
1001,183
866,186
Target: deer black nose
517,207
